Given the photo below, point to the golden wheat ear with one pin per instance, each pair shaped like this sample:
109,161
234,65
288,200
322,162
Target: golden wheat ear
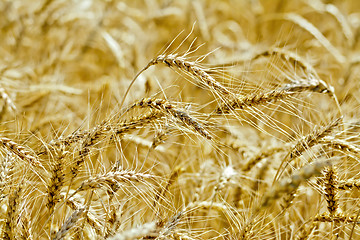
187,67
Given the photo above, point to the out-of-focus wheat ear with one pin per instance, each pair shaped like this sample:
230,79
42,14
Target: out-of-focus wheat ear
261,155
306,143
70,223
181,236
8,102
330,188
171,109
11,226
288,56
19,151
288,200
89,217
238,196
226,175
309,27
173,177
338,16
306,230
220,207
260,176
138,232
291,184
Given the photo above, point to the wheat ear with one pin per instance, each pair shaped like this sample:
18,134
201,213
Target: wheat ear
331,195
256,99
56,182
105,128
19,151
10,221
69,224
326,217
89,218
342,145
8,102
291,184
261,155
179,62
112,178
165,106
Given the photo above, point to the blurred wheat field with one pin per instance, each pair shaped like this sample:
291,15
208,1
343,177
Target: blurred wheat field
179,120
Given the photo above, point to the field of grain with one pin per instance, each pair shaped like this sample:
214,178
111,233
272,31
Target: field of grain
194,119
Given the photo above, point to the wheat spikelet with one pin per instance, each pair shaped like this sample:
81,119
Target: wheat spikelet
26,230
7,166
288,200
